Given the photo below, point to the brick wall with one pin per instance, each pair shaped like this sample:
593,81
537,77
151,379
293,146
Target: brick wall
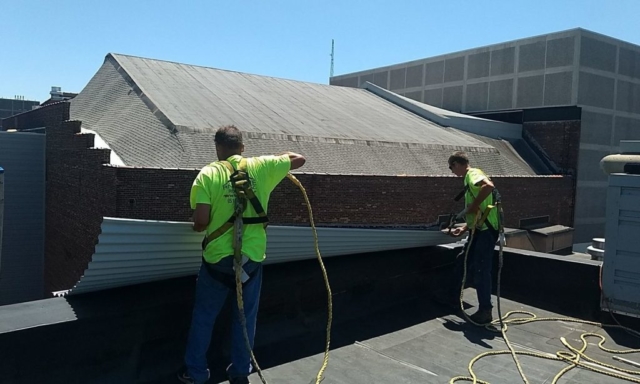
52,114
154,194
80,191
160,194
525,197
559,140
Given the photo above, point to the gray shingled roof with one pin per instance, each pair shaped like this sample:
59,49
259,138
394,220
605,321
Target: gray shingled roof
161,114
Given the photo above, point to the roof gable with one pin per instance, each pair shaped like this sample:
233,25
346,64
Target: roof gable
199,100
161,114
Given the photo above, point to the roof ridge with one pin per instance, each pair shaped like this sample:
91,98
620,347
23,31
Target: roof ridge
141,93
114,55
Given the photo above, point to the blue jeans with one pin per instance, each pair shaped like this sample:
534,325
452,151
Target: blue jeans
210,297
479,266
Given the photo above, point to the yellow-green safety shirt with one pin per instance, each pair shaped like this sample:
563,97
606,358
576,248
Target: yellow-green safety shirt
212,186
471,180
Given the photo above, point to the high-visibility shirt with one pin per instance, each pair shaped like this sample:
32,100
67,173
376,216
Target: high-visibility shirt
471,182
212,187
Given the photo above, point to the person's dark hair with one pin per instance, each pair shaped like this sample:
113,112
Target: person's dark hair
229,136
459,157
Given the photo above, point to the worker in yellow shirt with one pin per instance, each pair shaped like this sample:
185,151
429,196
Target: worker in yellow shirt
478,196
213,200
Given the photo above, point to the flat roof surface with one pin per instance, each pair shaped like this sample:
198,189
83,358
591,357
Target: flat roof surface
441,346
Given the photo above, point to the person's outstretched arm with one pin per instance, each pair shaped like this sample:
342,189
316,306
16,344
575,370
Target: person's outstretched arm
297,160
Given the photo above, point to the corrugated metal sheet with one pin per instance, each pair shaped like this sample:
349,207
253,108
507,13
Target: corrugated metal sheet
22,155
137,251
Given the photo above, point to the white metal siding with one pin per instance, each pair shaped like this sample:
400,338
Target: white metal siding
137,251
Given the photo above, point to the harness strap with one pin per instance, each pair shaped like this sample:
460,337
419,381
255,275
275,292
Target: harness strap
244,185
243,188
228,279
481,217
484,216
219,232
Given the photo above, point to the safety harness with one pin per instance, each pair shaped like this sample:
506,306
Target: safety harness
496,200
495,203
241,184
244,193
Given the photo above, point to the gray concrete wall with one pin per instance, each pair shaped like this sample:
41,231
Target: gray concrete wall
533,72
575,67
608,91
22,155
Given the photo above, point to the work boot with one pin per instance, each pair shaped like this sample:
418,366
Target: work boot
482,317
184,377
237,380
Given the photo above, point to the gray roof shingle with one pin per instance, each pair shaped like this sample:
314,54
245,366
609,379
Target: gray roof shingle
161,114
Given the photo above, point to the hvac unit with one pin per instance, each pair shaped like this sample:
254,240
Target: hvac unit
621,264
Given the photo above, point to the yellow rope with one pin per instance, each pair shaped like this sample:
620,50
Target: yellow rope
325,361
237,261
238,270
572,357
243,319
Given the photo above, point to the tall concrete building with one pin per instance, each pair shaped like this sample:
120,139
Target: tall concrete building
597,73
10,107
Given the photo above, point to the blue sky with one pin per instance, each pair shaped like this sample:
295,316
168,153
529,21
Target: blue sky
64,42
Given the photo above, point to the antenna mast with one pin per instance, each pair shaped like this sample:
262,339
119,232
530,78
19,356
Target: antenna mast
332,55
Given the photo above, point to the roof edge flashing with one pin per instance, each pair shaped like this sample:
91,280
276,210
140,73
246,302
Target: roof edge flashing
479,126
